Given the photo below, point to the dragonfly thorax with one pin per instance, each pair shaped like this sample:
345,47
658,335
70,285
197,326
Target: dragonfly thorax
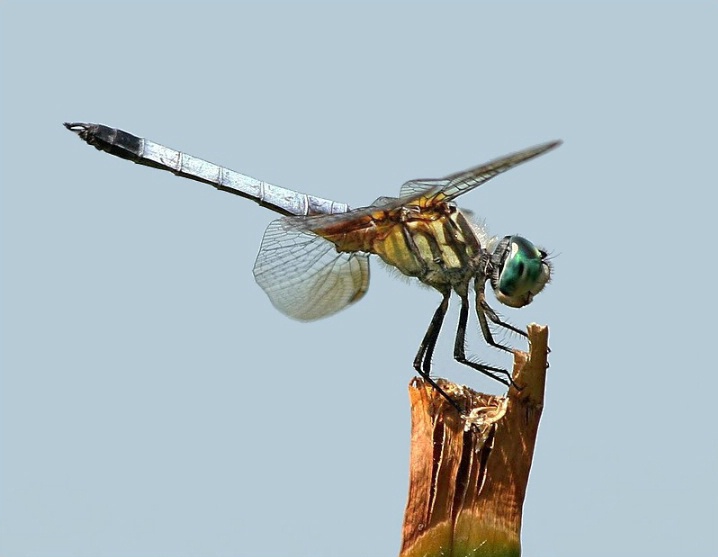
519,271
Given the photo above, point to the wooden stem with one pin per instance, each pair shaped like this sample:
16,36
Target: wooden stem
468,474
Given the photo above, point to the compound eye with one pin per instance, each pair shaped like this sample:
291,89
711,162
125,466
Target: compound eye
523,274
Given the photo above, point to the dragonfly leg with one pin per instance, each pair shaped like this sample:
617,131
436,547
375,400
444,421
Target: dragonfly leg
422,361
488,311
483,309
460,347
486,331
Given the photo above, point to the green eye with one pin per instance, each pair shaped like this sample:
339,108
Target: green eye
523,274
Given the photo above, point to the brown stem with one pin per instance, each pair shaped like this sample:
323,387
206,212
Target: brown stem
468,474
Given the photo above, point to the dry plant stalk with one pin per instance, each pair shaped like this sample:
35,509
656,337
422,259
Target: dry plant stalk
468,477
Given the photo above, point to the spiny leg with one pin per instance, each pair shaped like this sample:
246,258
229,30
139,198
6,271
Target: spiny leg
488,311
422,361
482,311
486,331
460,347
497,320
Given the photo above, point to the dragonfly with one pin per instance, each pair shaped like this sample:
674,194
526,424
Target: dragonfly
314,261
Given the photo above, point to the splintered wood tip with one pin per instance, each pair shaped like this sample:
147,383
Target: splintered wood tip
468,474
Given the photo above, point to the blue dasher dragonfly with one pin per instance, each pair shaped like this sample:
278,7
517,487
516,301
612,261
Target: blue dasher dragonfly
314,261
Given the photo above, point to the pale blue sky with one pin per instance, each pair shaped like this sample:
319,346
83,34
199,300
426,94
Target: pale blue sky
152,401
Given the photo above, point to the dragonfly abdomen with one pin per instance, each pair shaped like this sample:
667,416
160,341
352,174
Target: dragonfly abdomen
148,153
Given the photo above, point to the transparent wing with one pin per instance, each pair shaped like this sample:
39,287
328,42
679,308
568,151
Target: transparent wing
454,185
384,201
412,188
303,274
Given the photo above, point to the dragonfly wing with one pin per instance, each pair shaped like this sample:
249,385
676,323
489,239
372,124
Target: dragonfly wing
413,188
462,182
303,274
383,202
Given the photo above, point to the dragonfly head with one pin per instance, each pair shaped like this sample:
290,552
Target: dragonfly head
520,271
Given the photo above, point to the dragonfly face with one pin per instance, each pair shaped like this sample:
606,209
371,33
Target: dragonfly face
315,261
520,271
